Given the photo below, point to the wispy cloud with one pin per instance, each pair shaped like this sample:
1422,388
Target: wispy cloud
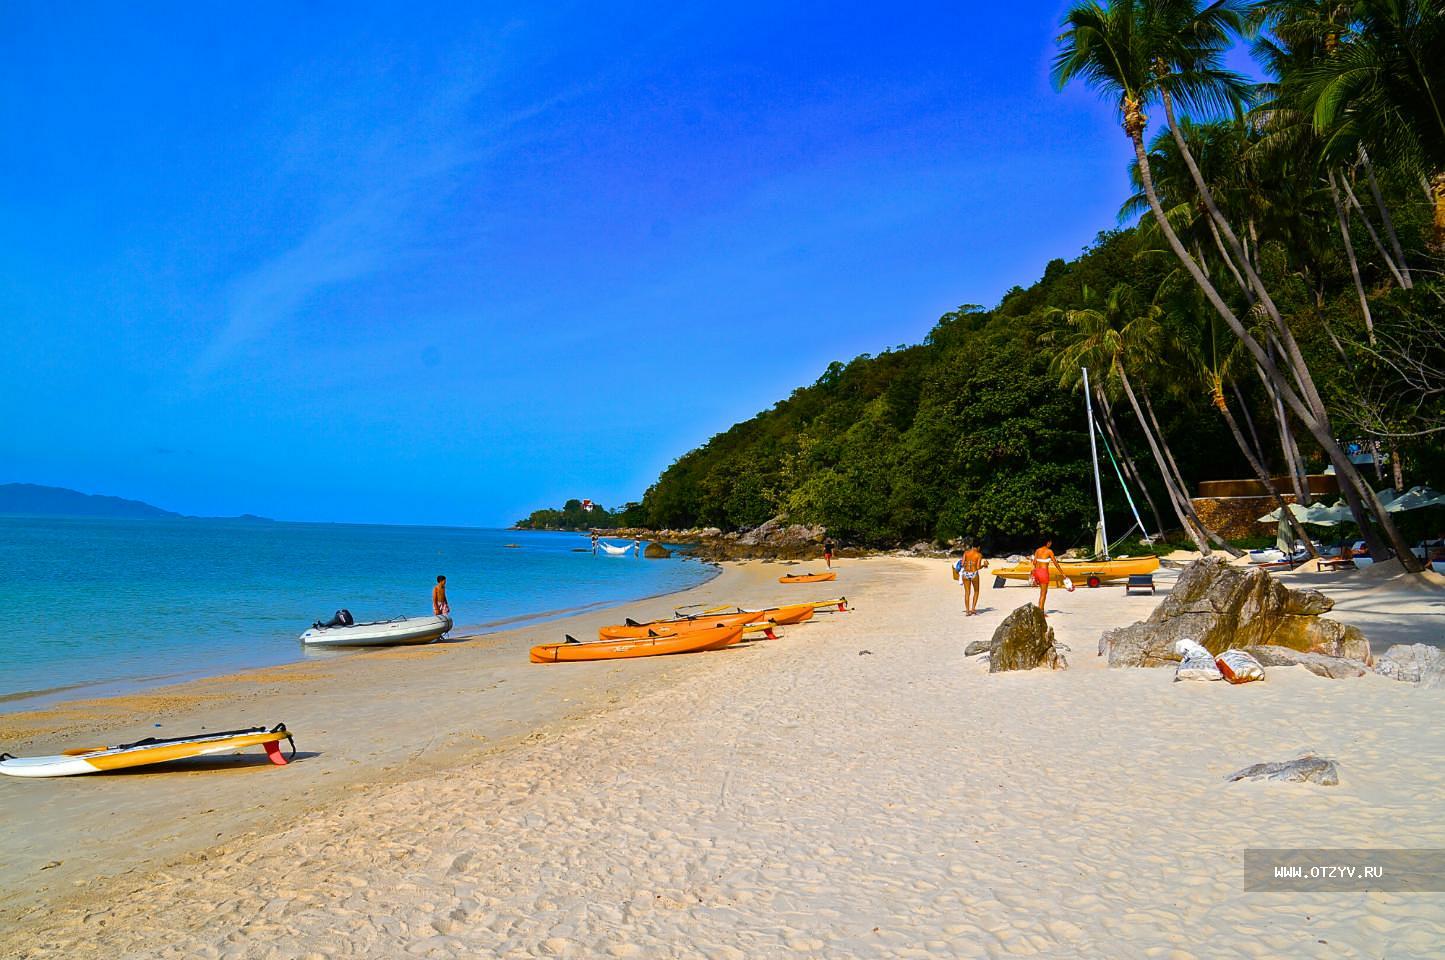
399,174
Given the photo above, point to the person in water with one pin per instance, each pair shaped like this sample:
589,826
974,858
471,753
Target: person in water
594,542
439,605
969,566
1041,559
828,553
637,548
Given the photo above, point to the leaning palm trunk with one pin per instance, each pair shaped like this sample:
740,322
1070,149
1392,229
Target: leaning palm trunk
1401,277
1130,470
1386,220
1354,264
1222,405
1309,408
1294,462
1175,498
1204,528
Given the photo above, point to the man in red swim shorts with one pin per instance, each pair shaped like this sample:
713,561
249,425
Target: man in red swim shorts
1041,559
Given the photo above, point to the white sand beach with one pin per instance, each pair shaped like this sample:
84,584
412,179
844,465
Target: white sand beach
858,788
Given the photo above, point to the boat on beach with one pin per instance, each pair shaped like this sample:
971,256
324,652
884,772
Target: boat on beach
808,577
1091,572
694,641
150,750
398,631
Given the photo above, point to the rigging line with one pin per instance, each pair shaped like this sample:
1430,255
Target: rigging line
1118,473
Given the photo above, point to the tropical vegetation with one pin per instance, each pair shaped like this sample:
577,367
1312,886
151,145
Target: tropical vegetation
1272,306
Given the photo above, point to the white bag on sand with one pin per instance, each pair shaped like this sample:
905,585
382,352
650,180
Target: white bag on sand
1239,667
1196,663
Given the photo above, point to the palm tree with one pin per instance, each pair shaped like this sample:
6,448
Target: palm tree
1384,88
1112,338
1134,49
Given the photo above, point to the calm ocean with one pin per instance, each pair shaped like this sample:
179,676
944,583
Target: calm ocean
112,604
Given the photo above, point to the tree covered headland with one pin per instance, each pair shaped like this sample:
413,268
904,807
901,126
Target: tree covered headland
573,516
1278,299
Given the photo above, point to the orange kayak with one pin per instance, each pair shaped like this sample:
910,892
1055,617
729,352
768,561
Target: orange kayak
714,638
631,631
809,577
793,613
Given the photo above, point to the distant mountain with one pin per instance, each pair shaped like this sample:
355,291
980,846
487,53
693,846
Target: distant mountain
33,500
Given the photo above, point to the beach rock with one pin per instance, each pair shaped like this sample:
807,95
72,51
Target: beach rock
656,551
1024,641
1306,769
1335,668
977,647
1414,663
1223,606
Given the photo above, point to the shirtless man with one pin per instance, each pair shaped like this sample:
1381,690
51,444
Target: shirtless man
968,573
439,605
1041,559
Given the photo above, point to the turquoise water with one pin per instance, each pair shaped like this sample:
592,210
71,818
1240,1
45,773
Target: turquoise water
121,603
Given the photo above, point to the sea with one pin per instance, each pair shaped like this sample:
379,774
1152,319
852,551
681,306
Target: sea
97,606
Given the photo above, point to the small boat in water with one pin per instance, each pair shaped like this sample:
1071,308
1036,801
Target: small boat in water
380,633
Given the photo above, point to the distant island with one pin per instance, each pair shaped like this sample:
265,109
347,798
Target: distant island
582,515
35,500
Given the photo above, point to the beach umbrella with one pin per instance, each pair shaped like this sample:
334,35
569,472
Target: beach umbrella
1416,498
1316,513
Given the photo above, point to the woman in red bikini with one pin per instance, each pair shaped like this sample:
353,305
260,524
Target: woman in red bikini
1042,557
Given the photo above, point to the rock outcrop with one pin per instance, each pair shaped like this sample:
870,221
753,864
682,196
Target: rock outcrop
977,647
1306,769
1024,641
656,551
1336,668
1414,663
1223,606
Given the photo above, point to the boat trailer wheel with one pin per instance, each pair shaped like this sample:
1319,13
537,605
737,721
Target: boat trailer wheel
1094,581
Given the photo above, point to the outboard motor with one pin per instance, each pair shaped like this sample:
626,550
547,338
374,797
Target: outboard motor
342,618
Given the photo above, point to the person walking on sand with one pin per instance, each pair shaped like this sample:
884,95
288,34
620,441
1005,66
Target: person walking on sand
968,574
1041,559
828,553
439,605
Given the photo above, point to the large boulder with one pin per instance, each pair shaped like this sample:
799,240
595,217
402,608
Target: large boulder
1222,606
656,551
1024,641
1414,663
1336,668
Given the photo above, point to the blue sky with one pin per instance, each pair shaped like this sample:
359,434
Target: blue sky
418,263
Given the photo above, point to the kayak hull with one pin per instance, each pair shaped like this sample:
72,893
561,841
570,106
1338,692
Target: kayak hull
809,577
1079,571
634,631
383,633
694,641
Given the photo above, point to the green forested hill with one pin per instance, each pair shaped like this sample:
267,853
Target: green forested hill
966,434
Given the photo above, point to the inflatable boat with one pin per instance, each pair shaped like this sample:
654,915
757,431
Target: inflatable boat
380,633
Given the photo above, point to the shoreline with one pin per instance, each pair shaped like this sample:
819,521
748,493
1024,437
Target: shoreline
21,701
342,706
857,788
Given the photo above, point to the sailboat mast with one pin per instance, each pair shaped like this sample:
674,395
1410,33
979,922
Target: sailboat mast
1094,461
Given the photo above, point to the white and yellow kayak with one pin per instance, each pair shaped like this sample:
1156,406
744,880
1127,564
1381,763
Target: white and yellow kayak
1091,572
150,750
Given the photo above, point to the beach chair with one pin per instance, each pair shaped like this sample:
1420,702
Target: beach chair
1139,581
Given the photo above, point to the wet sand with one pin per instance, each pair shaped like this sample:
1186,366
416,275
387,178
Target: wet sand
856,789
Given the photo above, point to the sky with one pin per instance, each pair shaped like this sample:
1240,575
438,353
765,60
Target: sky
446,264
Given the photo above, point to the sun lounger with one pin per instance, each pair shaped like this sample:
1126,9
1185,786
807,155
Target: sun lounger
1140,581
